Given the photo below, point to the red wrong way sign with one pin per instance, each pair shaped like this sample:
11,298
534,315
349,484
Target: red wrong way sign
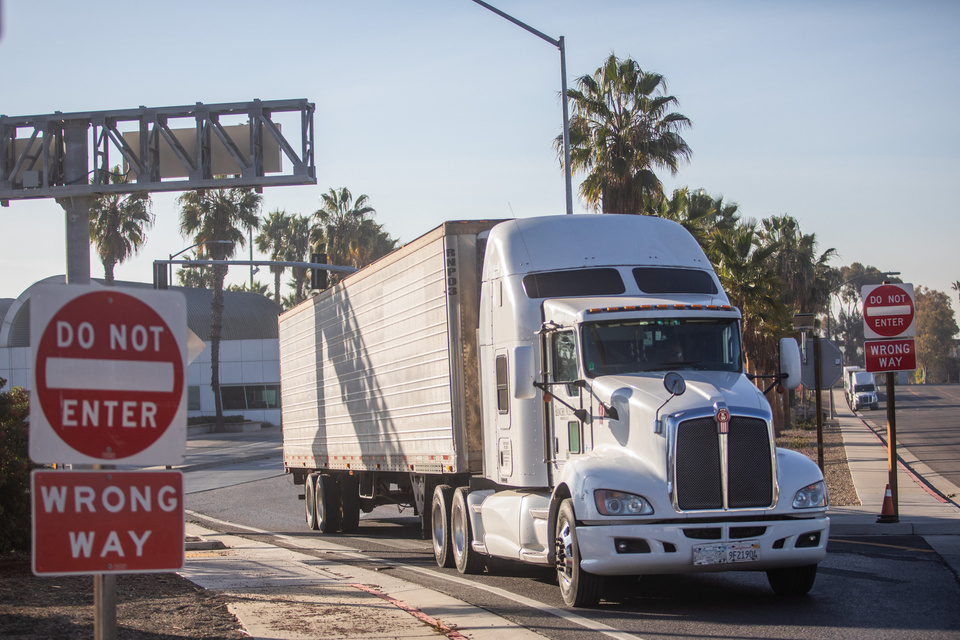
888,311
109,370
107,521
890,355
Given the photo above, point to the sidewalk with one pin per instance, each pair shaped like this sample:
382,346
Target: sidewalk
921,510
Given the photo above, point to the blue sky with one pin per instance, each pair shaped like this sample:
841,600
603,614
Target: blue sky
841,114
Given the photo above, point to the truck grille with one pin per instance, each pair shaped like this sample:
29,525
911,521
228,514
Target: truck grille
699,468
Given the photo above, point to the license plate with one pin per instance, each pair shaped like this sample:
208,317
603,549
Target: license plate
726,552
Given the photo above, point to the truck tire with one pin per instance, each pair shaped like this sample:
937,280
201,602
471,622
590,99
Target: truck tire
310,500
792,581
468,561
440,519
328,504
349,503
578,587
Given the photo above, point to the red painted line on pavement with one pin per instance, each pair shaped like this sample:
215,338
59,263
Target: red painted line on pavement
453,634
904,467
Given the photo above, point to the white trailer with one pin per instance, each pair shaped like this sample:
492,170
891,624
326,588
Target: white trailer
565,391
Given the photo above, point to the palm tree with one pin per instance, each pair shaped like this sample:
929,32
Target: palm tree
273,238
622,130
702,215
200,277
956,286
218,214
350,236
298,250
118,225
806,277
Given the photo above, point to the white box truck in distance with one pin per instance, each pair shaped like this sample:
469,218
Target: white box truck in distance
565,391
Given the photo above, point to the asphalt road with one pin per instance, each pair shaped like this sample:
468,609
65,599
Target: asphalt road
866,588
928,425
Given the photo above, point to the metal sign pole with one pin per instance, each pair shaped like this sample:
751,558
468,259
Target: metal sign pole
892,445
818,378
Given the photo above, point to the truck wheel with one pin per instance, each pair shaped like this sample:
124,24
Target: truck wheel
310,500
578,587
440,518
349,503
467,560
328,504
792,581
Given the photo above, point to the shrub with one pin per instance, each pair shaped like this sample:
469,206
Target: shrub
15,469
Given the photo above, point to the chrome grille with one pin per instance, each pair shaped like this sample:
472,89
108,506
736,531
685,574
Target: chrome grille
698,465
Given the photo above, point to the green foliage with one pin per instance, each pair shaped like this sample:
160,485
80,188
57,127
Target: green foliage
936,326
621,131
15,469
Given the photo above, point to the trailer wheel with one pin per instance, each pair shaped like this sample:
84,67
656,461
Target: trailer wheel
310,500
578,587
328,504
349,503
440,518
792,581
467,560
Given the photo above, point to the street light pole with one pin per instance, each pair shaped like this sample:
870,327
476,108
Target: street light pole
559,44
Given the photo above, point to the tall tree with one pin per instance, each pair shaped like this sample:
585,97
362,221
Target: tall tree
346,229
742,264
621,131
936,326
806,277
273,239
223,215
200,277
119,224
298,250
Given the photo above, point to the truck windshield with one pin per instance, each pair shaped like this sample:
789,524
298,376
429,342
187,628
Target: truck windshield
638,345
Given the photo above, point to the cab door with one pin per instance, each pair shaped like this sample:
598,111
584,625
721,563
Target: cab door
567,431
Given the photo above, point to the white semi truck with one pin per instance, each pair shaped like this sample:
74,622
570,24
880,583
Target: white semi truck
860,387
565,391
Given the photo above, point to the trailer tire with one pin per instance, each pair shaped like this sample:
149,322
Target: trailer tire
578,587
328,504
440,519
310,500
792,581
468,561
349,503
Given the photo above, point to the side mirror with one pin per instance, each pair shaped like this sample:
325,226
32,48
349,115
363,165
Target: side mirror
524,372
674,383
789,363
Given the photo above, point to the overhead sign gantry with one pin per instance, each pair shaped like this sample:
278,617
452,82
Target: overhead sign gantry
160,149
53,156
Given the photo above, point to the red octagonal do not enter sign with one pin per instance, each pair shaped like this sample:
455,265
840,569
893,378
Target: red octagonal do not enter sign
109,376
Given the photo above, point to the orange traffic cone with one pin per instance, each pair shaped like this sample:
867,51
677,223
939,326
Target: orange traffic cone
886,511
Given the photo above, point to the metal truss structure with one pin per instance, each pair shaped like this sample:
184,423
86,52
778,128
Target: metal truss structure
53,156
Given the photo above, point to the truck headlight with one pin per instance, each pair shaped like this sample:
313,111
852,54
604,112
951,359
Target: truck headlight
811,496
618,503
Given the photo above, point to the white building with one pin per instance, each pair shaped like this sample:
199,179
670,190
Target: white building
249,350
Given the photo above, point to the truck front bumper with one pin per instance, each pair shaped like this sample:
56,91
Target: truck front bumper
664,548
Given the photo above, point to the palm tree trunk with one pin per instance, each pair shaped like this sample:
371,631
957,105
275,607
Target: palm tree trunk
216,324
108,272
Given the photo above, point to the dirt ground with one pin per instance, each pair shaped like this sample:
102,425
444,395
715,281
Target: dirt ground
165,606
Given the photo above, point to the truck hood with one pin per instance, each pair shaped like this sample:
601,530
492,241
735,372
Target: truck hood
643,394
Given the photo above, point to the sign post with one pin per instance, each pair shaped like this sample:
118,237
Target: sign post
889,326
